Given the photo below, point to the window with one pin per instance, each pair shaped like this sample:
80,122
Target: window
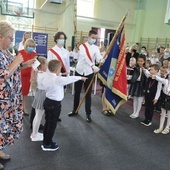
85,8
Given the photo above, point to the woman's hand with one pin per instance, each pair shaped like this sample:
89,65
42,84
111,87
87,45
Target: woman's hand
84,78
65,74
29,63
18,59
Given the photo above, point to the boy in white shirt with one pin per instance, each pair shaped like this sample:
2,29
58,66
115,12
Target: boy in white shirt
54,84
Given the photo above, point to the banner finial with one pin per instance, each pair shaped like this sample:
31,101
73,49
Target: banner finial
127,12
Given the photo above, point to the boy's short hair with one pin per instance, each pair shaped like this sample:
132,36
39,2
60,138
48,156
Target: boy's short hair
142,56
54,65
92,32
143,47
162,47
155,66
163,67
148,61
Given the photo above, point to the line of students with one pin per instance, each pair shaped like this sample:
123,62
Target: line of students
149,84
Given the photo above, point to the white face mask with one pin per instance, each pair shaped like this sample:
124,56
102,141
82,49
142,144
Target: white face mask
143,51
92,41
61,41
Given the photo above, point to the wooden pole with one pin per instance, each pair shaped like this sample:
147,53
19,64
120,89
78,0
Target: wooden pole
107,52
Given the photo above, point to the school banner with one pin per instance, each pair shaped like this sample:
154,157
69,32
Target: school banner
18,38
41,40
113,74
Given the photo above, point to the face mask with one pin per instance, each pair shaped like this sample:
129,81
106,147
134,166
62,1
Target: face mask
30,49
154,56
166,54
92,41
61,41
142,51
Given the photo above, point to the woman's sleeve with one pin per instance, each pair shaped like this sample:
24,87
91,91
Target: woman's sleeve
4,72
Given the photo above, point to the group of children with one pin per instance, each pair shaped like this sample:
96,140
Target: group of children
151,84
145,83
49,94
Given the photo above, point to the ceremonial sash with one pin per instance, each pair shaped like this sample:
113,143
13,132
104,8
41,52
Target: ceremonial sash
59,58
87,52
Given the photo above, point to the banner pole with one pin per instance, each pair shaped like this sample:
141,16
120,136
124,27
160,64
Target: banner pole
107,52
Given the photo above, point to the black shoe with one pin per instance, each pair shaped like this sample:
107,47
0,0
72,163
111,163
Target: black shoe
146,122
41,127
52,147
59,120
88,118
73,113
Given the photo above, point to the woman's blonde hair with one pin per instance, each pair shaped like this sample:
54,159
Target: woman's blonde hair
42,61
6,28
23,38
29,43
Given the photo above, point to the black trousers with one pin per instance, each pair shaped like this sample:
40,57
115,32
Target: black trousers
149,106
52,112
78,87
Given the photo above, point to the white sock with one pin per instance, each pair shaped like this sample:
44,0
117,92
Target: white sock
139,105
162,118
37,121
134,105
168,120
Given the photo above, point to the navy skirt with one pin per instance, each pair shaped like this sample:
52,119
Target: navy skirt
136,89
165,101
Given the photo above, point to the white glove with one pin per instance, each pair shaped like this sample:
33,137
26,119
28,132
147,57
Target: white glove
95,69
102,61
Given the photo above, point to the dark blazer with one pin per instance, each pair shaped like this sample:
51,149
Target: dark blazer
136,74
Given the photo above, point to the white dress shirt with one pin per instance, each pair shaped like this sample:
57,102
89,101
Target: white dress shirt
40,76
166,82
63,53
84,65
54,85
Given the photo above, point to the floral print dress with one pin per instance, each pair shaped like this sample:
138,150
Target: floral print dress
11,112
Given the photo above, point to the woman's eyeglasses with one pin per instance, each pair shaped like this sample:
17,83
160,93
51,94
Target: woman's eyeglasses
11,38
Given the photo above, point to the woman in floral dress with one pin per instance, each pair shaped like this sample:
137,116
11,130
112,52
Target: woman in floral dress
11,112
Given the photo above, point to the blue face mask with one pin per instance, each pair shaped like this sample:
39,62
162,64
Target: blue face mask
61,41
92,41
30,49
166,54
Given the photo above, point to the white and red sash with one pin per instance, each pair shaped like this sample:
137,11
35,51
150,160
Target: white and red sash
87,52
59,58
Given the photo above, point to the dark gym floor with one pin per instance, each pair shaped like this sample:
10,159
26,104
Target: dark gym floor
107,143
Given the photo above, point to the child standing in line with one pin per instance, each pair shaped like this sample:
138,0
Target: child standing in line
148,64
165,105
137,86
130,71
162,74
152,93
54,84
39,99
